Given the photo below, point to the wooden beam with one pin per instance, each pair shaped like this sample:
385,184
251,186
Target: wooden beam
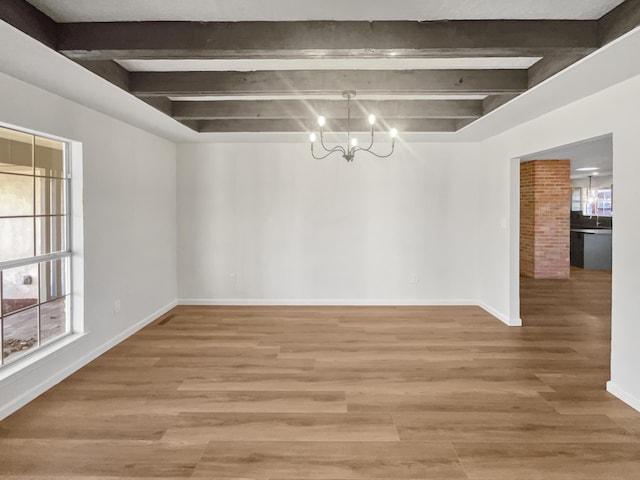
160,103
460,124
622,19
273,109
329,82
337,125
192,124
549,66
109,70
492,102
28,19
327,39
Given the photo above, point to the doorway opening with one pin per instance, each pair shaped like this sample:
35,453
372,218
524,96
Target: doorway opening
565,249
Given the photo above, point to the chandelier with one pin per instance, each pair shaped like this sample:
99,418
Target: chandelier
352,146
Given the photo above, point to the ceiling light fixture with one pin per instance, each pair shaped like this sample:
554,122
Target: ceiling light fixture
352,147
587,169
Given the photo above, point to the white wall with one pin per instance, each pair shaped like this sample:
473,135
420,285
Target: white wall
598,181
613,110
266,223
129,228
293,229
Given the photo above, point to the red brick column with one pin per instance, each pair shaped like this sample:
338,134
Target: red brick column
545,205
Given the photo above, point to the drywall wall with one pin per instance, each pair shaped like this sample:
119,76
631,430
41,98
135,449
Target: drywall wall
129,251
269,224
614,111
600,181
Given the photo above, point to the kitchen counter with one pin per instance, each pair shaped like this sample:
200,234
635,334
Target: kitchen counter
593,231
591,248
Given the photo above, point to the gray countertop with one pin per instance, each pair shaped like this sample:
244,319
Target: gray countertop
595,231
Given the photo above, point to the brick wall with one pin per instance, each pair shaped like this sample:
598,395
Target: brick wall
545,199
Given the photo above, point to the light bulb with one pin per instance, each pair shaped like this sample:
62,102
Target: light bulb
312,137
354,142
372,119
393,132
321,121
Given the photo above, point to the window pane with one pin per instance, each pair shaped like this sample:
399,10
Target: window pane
50,235
19,288
20,332
53,279
34,299
50,196
16,152
16,238
604,202
16,195
576,196
49,157
53,319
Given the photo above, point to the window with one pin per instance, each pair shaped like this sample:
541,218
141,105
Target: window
599,201
35,253
576,199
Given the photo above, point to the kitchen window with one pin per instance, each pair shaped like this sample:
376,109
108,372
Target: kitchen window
599,201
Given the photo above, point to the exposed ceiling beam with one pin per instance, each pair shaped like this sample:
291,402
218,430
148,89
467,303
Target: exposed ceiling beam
28,19
549,66
338,125
97,46
622,19
192,124
160,103
460,124
109,70
376,82
273,109
144,40
492,102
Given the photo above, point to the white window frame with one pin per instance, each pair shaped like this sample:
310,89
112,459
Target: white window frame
70,325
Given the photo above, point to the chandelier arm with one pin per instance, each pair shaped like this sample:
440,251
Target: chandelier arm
368,150
329,152
334,149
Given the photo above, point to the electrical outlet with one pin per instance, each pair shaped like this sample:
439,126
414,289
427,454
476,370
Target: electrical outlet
413,278
116,306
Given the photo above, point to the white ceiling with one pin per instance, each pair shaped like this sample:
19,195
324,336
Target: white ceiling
290,10
360,96
250,65
595,153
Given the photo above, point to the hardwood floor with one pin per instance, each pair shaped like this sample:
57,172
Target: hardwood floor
339,393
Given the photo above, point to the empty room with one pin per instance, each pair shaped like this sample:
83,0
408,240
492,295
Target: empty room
286,240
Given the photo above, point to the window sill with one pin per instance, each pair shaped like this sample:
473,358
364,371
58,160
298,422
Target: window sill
38,355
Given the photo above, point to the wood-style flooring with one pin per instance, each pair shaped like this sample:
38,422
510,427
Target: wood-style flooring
343,393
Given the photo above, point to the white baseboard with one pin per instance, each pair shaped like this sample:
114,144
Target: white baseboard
418,302
325,302
626,397
512,322
31,394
